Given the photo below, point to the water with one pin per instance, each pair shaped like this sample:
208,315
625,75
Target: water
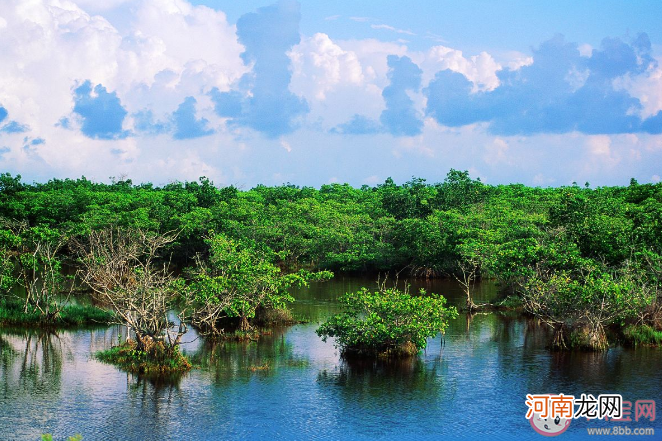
291,385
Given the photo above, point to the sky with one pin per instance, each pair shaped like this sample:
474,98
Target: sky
317,92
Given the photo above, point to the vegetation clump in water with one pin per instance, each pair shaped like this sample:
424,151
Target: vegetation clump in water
157,359
241,284
389,322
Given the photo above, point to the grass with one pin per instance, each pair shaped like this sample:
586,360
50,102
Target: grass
159,361
642,335
12,313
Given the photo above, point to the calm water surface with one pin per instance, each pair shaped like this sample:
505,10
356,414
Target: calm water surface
291,385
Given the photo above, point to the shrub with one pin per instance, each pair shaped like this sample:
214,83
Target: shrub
642,335
387,322
157,360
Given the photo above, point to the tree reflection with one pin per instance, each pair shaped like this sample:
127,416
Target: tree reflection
390,379
32,360
230,360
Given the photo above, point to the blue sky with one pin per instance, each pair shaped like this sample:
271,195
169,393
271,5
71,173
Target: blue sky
472,24
313,92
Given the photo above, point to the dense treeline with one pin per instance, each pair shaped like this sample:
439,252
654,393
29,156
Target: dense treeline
581,259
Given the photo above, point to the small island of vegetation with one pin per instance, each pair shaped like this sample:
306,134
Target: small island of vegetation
387,323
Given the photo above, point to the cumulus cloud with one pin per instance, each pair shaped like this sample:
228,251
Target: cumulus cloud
480,69
105,89
268,105
85,96
561,91
10,126
341,78
97,6
400,116
320,65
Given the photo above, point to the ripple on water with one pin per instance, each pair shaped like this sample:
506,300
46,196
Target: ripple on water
474,385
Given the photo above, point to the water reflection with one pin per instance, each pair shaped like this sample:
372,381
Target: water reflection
239,360
32,361
390,380
291,385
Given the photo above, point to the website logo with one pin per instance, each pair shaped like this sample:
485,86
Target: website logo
540,415
551,415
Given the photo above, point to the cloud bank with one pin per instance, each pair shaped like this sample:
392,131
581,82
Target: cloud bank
163,89
561,91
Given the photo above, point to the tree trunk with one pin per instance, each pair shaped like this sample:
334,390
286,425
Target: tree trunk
243,325
559,337
471,306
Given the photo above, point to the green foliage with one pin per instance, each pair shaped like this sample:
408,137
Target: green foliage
239,278
388,321
157,360
563,248
7,278
584,296
642,335
12,312
33,261
80,315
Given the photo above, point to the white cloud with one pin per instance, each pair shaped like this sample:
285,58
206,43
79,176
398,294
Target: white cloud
286,145
412,145
167,50
155,53
599,145
518,60
372,54
360,19
607,151
497,152
585,50
647,88
319,65
577,78
391,28
341,78
480,69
